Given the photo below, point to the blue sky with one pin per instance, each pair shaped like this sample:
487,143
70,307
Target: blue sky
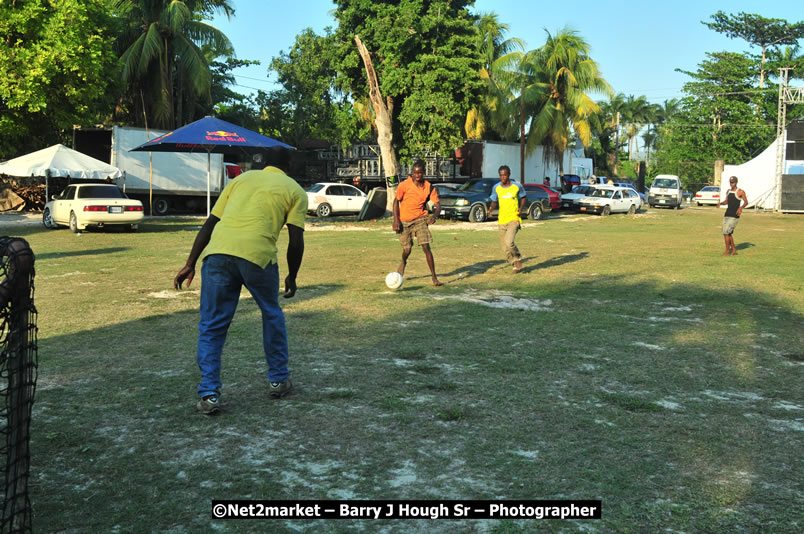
638,45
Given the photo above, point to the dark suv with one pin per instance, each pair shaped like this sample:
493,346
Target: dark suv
472,201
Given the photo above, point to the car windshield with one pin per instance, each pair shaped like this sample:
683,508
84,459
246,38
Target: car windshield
582,189
602,193
315,188
666,183
710,188
477,186
100,191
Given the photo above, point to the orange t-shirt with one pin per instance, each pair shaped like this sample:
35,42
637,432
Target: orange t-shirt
413,199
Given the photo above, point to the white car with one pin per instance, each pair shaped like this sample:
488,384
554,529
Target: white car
569,201
324,199
708,195
82,205
606,199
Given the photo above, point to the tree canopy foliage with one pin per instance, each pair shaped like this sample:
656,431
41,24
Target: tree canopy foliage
57,68
720,118
427,62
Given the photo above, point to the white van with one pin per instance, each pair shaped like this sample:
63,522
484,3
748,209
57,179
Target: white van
665,191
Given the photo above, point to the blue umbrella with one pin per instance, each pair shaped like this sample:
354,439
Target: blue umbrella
211,135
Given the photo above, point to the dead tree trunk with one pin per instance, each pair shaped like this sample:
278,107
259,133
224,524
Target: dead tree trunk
383,112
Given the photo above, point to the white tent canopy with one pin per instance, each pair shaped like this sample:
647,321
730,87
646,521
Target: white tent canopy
757,177
59,161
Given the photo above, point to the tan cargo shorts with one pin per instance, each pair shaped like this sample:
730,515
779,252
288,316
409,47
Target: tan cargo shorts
417,228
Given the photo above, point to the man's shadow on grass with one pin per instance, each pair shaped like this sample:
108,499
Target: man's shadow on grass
743,246
53,255
474,269
554,262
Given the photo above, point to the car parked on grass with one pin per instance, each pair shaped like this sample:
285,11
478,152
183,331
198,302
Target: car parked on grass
665,191
607,199
708,195
442,188
552,194
97,205
569,201
473,199
568,181
325,199
642,196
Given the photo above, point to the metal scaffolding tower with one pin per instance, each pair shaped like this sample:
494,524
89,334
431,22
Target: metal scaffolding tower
787,95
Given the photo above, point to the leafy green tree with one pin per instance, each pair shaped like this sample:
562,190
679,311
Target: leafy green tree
226,103
716,120
757,31
162,62
55,71
309,106
417,62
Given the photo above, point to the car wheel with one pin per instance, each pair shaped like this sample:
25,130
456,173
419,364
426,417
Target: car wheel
535,212
606,210
161,206
324,210
632,209
47,219
477,213
74,223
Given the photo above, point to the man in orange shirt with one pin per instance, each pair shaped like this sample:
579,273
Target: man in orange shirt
412,219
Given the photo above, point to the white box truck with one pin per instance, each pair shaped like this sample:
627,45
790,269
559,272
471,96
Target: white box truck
177,180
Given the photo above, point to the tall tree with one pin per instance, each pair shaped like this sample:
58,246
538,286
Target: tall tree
418,63
162,61
312,107
636,114
717,119
489,116
55,71
570,74
522,85
757,31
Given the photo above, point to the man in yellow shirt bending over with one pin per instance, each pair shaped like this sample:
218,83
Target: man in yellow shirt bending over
238,241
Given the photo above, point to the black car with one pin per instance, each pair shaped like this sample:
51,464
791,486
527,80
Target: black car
471,202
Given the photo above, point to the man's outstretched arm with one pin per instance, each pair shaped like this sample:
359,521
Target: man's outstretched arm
201,240
295,255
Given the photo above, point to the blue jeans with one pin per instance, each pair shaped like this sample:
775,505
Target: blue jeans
222,276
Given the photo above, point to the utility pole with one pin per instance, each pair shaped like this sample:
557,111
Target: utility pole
617,144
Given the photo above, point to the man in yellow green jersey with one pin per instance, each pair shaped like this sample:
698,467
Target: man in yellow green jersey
511,198
238,241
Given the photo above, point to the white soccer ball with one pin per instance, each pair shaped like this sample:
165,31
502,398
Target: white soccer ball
394,280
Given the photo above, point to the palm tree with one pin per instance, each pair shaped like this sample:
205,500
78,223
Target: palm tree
567,74
522,88
636,115
488,115
161,60
606,127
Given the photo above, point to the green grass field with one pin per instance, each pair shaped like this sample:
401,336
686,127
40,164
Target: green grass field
630,362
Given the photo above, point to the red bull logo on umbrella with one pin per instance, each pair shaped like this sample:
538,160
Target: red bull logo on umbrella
223,135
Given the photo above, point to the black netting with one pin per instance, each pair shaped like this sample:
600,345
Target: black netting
18,365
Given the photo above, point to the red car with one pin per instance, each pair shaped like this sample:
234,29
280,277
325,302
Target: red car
552,194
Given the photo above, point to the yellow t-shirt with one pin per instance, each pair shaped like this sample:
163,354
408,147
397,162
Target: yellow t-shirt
507,198
252,210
